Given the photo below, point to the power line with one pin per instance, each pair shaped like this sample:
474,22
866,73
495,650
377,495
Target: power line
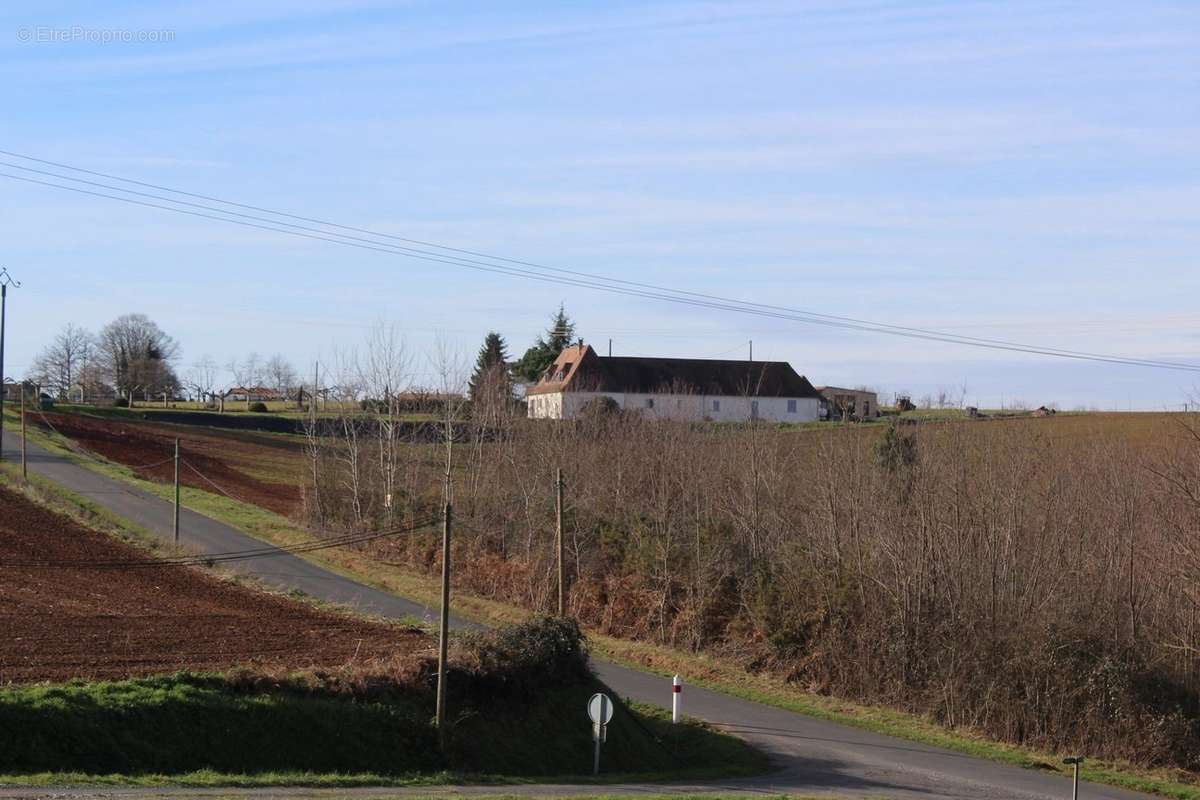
214,484
736,347
730,305
529,270
726,305
873,326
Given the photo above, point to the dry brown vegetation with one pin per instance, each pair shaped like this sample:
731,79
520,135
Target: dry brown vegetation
1035,579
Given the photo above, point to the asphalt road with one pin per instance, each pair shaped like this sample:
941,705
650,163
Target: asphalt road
810,756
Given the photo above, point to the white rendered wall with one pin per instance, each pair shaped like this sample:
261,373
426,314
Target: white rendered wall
567,405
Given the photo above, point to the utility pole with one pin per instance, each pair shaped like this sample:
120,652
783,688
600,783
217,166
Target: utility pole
24,461
443,628
558,517
610,348
177,492
5,280
444,618
751,349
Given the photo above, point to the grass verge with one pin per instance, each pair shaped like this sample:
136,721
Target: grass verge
207,777
192,729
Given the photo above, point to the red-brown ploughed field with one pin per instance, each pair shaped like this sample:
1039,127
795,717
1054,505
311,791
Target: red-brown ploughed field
73,622
216,458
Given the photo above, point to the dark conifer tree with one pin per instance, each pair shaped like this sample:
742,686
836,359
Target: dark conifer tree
491,374
560,335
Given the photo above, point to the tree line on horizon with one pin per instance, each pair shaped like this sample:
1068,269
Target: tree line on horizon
132,357
129,355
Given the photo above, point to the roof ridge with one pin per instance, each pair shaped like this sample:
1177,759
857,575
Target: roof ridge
653,374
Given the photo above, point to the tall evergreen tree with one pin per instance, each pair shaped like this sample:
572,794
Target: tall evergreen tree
491,374
560,335
561,332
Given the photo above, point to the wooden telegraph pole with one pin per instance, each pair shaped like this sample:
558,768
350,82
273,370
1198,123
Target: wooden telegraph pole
558,517
443,628
176,492
24,462
444,618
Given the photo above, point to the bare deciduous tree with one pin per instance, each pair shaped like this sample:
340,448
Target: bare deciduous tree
247,373
137,354
281,376
384,377
202,378
59,365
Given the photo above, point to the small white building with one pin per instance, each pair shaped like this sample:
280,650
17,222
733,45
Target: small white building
674,388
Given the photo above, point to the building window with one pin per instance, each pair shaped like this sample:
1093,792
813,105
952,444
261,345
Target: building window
716,405
649,402
791,406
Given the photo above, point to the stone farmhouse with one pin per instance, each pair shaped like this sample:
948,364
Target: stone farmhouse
673,388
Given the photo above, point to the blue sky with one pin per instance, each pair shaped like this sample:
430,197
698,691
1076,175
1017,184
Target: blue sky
1023,171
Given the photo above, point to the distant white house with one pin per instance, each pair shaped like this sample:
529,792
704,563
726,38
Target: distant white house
674,388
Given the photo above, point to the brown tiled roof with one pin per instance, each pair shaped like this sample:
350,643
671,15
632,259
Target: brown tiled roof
581,369
259,390
559,374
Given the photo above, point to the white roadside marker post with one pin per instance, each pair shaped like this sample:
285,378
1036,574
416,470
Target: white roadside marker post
676,698
1074,761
